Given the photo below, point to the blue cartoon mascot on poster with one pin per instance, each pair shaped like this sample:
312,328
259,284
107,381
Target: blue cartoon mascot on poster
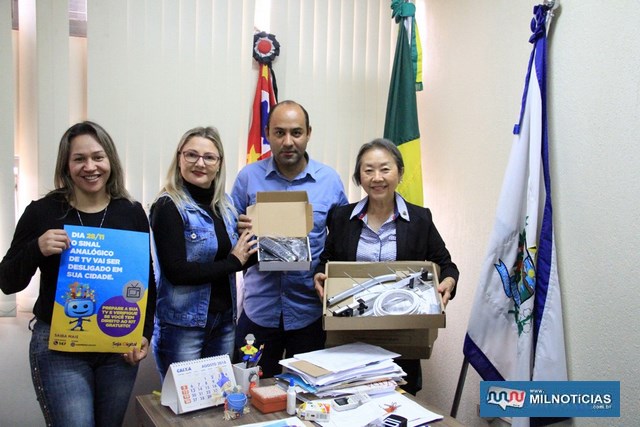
80,304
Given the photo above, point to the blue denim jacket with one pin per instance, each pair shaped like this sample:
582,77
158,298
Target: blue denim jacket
189,305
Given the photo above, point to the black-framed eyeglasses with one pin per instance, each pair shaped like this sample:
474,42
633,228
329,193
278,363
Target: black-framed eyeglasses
193,157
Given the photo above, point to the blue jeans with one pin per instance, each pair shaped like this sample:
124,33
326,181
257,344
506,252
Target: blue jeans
79,389
173,343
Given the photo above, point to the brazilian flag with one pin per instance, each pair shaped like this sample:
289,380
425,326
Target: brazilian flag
401,122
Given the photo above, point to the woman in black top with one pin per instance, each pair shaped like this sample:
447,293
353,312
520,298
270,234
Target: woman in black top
384,227
84,388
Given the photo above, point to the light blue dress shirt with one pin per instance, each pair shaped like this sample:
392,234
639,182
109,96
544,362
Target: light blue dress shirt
379,246
267,295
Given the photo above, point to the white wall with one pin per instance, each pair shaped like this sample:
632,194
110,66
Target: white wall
7,110
476,57
476,54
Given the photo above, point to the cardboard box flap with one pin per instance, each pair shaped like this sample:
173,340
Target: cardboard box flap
409,343
281,214
281,196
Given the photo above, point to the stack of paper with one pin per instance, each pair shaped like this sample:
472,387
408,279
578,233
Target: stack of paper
345,369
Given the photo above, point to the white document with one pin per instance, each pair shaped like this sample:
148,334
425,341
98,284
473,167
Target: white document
287,422
348,356
382,386
378,408
387,369
383,369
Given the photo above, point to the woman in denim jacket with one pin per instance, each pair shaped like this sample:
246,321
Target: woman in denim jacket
198,252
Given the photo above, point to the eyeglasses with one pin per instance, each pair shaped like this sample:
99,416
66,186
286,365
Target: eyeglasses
193,157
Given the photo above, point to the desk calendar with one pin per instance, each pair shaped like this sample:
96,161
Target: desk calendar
197,384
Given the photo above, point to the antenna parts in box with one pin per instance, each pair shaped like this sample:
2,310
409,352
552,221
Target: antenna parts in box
282,221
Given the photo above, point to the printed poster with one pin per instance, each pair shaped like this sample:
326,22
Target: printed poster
101,292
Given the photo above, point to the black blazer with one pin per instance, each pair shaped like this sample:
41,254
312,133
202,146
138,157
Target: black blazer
416,240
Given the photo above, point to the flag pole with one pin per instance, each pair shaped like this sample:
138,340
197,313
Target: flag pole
265,49
552,5
459,387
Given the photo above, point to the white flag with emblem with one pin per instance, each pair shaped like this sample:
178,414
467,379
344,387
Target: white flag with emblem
515,331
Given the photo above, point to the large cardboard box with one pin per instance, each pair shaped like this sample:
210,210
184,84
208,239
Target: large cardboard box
410,335
282,214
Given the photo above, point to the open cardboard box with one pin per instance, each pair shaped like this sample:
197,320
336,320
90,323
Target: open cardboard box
412,335
282,214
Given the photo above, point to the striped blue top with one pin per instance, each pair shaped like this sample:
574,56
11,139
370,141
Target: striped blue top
376,246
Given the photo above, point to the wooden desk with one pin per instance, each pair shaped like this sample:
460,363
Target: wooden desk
151,413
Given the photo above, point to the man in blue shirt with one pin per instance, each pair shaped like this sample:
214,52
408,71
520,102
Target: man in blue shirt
282,309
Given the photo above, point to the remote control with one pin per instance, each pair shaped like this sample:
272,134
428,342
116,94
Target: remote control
277,249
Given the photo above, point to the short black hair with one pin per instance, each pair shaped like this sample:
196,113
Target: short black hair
289,102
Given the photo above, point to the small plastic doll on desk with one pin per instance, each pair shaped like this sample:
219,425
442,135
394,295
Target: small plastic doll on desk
251,354
249,350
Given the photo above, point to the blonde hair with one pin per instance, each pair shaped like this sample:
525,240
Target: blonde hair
174,184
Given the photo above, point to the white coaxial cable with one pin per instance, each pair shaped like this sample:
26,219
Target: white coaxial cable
396,302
